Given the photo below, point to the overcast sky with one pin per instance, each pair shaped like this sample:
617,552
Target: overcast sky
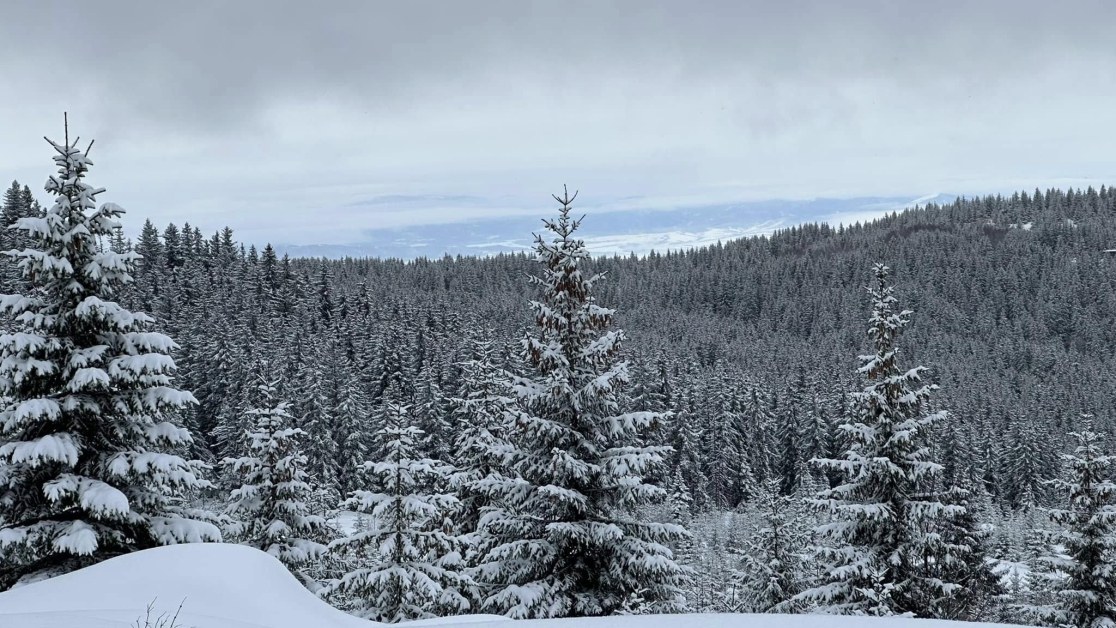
309,122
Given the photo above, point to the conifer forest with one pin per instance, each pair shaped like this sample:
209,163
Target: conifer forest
907,416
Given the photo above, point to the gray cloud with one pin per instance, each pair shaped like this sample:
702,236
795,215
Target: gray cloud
257,113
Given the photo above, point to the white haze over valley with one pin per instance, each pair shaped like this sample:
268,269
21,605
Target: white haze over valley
610,231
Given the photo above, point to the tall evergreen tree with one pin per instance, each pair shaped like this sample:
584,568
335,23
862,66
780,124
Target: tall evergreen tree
757,433
349,427
880,509
789,463
407,561
271,505
480,410
12,209
956,552
570,543
1087,595
727,468
771,576
18,203
87,469
149,268
687,455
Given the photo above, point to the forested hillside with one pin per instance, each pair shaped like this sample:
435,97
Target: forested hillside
746,353
1014,301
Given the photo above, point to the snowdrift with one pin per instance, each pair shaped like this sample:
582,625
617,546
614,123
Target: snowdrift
220,586
232,586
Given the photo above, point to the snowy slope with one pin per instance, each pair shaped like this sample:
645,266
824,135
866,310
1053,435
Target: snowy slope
231,586
731,621
224,586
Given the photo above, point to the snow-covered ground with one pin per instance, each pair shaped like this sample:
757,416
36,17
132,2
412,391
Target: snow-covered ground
346,521
232,586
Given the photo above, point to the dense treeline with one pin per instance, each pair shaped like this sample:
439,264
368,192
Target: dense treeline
741,380
1014,299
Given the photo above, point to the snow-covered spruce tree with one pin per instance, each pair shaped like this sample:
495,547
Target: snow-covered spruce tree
480,409
877,537
1020,549
758,432
407,562
1087,596
957,553
722,447
18,203
789,463
568,540
772,573
87,463
686,459
680,505
349,431
270,507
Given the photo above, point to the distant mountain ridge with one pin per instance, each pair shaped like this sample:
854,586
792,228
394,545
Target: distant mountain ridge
624,232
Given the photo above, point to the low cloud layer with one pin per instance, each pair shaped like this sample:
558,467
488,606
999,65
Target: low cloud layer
292,121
